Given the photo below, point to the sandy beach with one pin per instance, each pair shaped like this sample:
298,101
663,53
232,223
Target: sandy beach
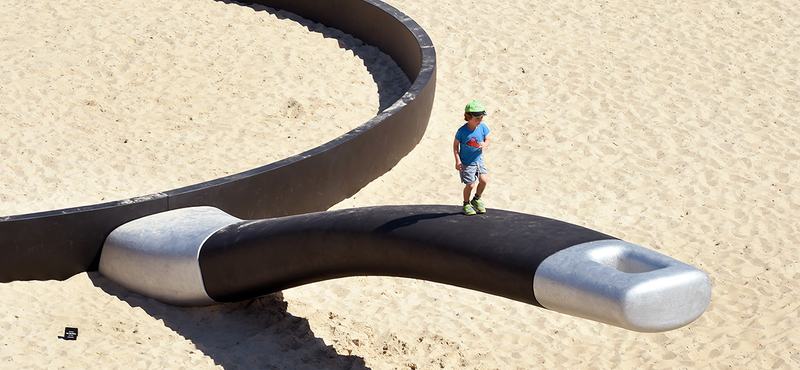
673,126
103,103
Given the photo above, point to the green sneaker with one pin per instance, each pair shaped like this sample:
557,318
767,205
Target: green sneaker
468,210
478,205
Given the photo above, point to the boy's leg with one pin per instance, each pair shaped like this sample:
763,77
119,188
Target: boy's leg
467,207
477,203
468,178
468,191
483,179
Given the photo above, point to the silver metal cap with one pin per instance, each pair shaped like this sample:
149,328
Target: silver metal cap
622,284
157,255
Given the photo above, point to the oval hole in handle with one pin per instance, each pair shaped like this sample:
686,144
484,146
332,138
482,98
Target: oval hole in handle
625,259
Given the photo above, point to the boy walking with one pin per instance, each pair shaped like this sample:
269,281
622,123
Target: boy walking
471,139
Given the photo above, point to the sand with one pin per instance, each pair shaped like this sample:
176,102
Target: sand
670,125
102,103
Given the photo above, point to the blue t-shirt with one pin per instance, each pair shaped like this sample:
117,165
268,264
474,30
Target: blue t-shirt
469,152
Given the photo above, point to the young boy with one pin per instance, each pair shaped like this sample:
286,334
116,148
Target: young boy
471,140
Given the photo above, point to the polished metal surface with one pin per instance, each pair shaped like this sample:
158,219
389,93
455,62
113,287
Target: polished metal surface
157,255
622,284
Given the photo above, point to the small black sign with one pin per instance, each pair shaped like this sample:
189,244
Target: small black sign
70,334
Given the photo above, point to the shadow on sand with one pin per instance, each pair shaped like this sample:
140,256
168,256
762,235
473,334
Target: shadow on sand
253,334
392,83
260,333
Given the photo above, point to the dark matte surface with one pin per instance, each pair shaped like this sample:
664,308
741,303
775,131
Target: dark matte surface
57,245
61,243
497,252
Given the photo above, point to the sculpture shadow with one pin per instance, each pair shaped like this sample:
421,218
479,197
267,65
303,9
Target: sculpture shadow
391,86
410,220
252,334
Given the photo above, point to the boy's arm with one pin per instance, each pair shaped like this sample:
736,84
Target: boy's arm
485,143
456,147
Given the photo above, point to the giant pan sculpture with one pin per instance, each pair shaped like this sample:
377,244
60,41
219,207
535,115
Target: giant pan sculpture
201,255
264,230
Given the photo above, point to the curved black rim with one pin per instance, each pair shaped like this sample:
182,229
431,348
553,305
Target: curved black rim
58,244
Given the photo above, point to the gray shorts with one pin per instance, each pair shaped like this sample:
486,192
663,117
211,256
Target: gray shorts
470,173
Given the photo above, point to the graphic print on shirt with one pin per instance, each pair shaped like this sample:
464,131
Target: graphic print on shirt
469,143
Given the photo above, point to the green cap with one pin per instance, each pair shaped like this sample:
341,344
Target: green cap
475,108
